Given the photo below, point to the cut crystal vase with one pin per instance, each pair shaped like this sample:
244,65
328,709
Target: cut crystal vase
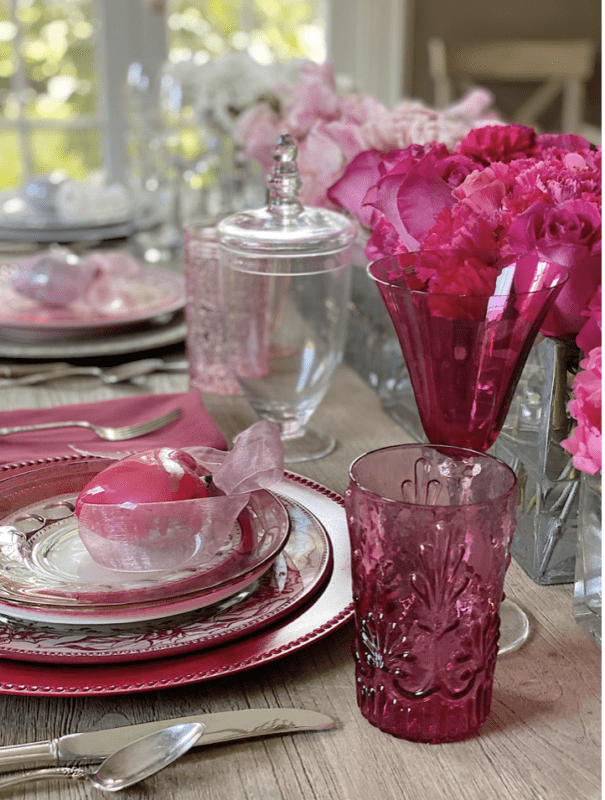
530,442
588,591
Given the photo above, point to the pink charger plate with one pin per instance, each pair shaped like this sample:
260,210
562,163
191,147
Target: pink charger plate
296,575
328,611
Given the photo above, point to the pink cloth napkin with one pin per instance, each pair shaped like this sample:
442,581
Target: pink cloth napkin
195,427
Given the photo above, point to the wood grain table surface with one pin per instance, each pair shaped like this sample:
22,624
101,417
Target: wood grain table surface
540,742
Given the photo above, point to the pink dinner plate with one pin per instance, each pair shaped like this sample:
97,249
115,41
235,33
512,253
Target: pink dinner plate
295,575
153,293
325,613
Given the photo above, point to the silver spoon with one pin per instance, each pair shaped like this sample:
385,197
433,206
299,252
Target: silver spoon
131,764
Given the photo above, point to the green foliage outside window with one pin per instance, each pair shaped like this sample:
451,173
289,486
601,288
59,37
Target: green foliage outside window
273,30
57,79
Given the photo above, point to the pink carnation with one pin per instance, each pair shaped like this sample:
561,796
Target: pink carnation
498,143
585,443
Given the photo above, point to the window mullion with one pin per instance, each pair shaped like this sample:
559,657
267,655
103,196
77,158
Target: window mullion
19,84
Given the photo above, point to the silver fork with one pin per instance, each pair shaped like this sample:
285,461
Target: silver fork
111,434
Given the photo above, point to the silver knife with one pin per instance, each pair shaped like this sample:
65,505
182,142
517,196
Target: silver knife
224,726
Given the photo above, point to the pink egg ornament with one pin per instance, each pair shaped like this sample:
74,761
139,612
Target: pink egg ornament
155,476
140,512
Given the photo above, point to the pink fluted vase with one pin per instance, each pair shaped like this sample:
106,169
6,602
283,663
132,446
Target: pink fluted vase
465,353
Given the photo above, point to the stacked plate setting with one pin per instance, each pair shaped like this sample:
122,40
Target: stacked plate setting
58,606
154,318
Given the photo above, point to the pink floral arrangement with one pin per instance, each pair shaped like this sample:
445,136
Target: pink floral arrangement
586,442
331,128
502,191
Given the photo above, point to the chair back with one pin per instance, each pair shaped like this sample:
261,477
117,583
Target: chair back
561,67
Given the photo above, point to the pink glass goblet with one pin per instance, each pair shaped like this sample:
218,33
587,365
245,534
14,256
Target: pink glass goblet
430,529
465,353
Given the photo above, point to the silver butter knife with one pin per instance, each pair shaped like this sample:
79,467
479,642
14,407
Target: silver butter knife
224,726
15,370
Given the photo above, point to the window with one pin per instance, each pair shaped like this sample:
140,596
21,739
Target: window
63,63
49,109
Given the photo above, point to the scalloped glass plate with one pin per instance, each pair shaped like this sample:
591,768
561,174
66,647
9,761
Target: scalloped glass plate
46,572
295,575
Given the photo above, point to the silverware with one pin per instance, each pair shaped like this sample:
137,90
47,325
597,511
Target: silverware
111,434
15,370
123,372
224,726
128,765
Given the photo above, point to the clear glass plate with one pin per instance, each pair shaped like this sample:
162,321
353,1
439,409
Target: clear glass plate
152,292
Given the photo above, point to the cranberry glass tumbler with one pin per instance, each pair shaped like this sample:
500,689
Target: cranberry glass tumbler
430,529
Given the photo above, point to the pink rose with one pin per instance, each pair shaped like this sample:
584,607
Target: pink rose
358,109
349,139
350,190
412,194
310,102
482,191
455,169
320,161
585,443
570,235
257,130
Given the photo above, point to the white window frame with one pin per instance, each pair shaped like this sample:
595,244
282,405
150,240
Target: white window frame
370,41
130,31
127,31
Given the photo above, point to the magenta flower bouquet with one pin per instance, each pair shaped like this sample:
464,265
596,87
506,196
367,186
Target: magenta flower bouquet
503,191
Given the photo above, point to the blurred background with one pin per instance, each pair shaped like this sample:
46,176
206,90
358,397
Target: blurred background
64,64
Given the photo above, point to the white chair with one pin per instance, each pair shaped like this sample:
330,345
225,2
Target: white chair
562,68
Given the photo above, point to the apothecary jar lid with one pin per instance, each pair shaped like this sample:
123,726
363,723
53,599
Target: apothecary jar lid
285,227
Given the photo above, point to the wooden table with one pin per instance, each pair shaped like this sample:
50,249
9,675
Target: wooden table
541,741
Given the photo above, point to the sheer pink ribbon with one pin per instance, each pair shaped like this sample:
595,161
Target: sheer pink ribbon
185,533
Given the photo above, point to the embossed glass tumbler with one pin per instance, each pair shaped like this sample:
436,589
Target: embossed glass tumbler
465,352
430,529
